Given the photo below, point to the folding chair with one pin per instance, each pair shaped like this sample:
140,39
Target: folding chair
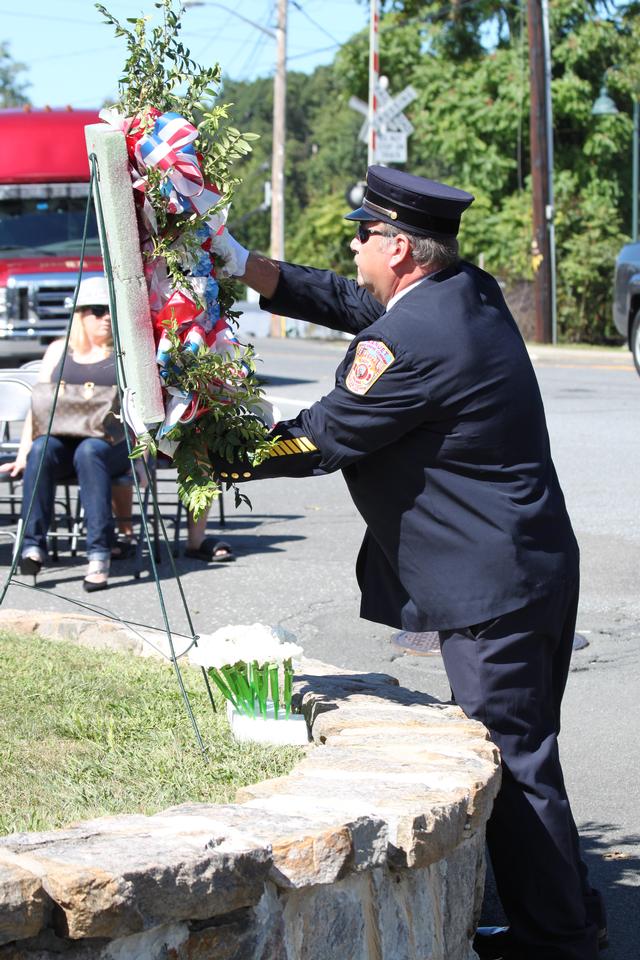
15,403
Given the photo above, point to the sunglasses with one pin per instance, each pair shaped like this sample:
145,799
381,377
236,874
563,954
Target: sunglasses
97,311
364,233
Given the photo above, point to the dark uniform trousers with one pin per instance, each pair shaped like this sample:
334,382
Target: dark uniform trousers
437,424
509,673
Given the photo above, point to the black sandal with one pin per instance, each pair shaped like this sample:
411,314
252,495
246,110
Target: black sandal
125,546
208,551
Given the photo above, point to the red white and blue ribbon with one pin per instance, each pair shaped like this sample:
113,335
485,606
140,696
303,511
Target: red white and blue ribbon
168,146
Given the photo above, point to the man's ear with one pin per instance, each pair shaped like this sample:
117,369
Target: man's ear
402,252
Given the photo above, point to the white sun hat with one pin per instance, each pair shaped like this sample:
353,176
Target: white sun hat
94,292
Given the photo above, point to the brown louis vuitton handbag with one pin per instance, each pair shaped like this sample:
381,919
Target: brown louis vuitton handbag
83,410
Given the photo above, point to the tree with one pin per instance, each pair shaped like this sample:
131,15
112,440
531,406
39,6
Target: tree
12,88
468,61
323,156
472,128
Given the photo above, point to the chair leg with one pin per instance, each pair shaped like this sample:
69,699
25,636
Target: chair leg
67,499
78,523
156,525
17,539
176,529
137,563
53,536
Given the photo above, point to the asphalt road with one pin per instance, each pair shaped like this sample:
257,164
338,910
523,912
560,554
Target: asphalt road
296,552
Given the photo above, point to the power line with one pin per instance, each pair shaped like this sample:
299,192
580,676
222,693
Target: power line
309,53
42,16
314,22
71,53
260,42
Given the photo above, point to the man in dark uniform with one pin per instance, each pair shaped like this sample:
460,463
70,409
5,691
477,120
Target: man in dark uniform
437,423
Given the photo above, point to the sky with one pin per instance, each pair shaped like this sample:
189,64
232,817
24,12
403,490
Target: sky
73,57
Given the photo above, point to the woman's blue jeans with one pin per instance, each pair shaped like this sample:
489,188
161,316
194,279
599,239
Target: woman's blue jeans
95,463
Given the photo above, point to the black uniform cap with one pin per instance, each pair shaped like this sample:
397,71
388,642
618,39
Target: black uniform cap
415,204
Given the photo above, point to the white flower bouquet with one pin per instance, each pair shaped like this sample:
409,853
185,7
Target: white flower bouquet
251,665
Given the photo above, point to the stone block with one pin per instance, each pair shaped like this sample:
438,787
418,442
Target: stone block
19,621
110,882
24,905
423,823
306,850
309,670
327,719
158,943
407,914
462,876
319,927
393,738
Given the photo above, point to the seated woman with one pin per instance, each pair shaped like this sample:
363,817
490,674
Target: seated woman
94,461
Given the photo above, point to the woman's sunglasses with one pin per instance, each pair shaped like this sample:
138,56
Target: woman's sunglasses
365,232
97,311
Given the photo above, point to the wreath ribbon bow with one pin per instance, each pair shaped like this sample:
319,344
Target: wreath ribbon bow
169,147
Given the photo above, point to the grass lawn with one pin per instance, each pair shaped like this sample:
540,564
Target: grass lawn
85,733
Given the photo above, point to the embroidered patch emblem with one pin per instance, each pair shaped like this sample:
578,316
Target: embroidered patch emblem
371,360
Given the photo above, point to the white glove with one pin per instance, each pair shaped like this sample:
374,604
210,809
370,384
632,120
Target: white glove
233,253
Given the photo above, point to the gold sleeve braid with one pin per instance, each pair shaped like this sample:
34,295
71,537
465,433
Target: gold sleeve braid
282,448
293,445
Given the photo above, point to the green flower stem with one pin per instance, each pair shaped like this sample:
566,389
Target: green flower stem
262,686
247,687
249,681
224,689
275,692
288,686
246,693
230,674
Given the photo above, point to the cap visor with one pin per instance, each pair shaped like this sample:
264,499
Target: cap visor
361,214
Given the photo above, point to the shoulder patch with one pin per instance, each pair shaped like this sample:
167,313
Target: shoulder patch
371,360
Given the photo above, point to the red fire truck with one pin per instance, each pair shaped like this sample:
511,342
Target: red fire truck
44,184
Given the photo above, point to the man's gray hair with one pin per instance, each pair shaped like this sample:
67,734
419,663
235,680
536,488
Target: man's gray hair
427,251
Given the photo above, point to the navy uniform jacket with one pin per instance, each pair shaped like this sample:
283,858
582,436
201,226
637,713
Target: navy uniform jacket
446,455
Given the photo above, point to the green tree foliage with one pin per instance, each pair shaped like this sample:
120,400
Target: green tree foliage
469,63
323,236
323,158
12,86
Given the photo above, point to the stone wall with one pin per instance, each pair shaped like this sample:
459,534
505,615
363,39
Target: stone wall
370,849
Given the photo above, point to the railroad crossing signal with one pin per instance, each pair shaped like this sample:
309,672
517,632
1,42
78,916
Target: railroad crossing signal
390,123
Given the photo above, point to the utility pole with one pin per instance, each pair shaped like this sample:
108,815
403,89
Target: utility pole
277,164
540,173
374,70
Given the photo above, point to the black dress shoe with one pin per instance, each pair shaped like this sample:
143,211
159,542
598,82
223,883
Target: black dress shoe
493,943
496,943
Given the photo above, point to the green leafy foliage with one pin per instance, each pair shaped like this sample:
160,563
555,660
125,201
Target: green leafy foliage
230,426
160,75
323,236
250,686
469,63
12,86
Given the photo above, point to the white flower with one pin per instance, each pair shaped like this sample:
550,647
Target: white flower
246,642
